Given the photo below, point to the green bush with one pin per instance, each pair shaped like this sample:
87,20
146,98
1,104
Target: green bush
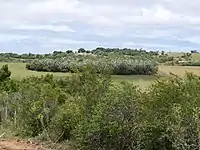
83,91
165,58
4,73
35,105
64,121
173,114
115,122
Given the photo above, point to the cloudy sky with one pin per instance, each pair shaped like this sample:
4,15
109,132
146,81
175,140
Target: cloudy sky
41,26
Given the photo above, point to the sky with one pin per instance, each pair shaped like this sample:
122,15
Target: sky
42,26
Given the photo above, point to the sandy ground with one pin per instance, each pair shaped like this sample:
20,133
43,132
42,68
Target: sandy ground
19,145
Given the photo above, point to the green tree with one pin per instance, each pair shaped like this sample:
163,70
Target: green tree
162,53
4,73
81,50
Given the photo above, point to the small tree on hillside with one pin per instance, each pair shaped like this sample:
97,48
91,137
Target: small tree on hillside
4,73
162,53
81,50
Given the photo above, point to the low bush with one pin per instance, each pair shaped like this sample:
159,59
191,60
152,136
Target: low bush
115,121
165,58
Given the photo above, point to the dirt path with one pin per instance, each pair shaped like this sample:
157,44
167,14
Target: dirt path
19,145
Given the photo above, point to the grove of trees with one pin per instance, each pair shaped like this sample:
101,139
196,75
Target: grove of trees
118,65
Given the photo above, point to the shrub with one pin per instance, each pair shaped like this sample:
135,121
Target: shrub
115,122
4,73
83,91
35,105
64,121
173,110
164,58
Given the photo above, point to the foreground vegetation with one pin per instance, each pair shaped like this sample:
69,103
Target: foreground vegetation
91,112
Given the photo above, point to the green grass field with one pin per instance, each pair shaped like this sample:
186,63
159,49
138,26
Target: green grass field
19,71
179,70
195,56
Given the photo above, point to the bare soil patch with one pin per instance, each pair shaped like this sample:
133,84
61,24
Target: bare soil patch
20,145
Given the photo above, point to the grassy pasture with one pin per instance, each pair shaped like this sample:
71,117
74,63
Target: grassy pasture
19,71
179,70
195,56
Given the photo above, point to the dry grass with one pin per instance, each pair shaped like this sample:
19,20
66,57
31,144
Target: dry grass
196,57
179,70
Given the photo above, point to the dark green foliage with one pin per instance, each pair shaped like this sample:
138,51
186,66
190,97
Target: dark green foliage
194,51
81,50
173,111
165,58
4,73
114,123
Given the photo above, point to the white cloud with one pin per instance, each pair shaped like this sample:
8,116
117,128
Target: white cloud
146,45
12,37
68,41
195,39
107,18
55,28
102,13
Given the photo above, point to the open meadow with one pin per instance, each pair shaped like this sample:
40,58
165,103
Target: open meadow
19,72
194,56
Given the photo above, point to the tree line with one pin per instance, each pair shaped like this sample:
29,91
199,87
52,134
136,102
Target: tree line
118,65
59,54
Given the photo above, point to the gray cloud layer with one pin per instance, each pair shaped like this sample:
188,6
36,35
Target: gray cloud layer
158,20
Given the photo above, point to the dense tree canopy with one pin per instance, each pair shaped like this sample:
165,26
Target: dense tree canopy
117,65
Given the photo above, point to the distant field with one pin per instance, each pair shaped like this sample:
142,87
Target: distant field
179,70
19,71
195,56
